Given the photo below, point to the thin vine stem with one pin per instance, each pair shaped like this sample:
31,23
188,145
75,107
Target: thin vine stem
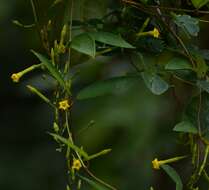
67,65
199,112
34,12
35,16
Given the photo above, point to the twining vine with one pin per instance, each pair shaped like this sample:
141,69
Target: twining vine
163,30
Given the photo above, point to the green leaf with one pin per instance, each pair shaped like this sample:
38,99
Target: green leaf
199,3
188,24
109,86
185,126
193,108
110,39
52,70
178,64
203,85
94,184
84,43
155,83
201,66
174,176
71,145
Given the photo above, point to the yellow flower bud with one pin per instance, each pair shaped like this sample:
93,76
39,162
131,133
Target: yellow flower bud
16,77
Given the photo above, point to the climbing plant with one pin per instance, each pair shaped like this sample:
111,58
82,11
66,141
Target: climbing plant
159,39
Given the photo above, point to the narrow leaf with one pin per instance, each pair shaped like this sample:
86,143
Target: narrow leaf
71,145
174,176
101,153
38,93
52,70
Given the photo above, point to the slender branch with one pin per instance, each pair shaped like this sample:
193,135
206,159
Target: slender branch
67,65
34,12
36,20
168,8
187,82
181,10
38,28
99,180
138,6
199,112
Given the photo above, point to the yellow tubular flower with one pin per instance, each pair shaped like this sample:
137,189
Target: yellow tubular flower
76,164
64,105
156,163
156,33
16,77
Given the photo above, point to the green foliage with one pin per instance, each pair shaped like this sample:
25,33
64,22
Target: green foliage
174,176
199,3
177,63
110,39
188,24
160,53
84,43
